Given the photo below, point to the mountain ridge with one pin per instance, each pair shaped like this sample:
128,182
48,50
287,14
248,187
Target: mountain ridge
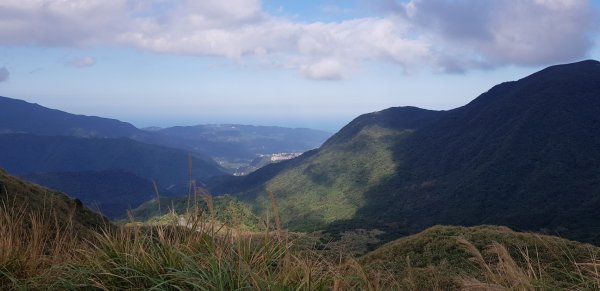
19,116
521,154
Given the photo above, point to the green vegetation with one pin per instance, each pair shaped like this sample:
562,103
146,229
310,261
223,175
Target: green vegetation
37,253
488,258
21,198
329,185
110,192
52,244
41,255
507,158
226,209
523,155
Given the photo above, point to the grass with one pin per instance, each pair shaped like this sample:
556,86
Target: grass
226,209
38,252
49,246
489,258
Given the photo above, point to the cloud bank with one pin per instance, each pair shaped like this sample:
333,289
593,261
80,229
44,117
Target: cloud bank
442,35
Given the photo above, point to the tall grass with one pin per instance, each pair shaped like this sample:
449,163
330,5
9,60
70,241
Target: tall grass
32,242
195,252
39,253
523,272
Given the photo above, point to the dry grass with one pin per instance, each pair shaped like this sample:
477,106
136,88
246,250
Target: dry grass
31,242
501,271
40,252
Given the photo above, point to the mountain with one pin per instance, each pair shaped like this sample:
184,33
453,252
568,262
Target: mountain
524,154
18,116
326,185
23,154
112,192
236,141
70,152
233,144
18,194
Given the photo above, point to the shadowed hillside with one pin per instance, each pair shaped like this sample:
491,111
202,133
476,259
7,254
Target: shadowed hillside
16,193
23,154
230,142
326,185
523,154
112,192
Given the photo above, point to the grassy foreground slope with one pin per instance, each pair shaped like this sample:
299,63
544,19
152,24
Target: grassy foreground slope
110,192
488,258
227,210
50,242
19,195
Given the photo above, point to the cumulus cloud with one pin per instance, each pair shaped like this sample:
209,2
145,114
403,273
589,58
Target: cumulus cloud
328,69
82,62
446,35
4,74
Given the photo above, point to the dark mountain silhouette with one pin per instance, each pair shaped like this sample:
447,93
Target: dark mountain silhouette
231,142
524,154
23,154
18,116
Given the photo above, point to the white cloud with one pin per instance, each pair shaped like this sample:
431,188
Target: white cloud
327,69
451,36
61,22
4,74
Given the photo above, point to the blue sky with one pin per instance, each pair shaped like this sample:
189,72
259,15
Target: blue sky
292,63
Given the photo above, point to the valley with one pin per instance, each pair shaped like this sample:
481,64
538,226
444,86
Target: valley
113,166
405,192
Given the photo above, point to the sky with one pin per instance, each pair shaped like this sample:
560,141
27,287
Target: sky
308,63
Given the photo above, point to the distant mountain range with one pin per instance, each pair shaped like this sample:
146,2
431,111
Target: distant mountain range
71,152
110,174
23,154
229,142
18,116
243,142
525,154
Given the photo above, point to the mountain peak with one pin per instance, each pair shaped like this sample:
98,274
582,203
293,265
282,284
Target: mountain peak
566,71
